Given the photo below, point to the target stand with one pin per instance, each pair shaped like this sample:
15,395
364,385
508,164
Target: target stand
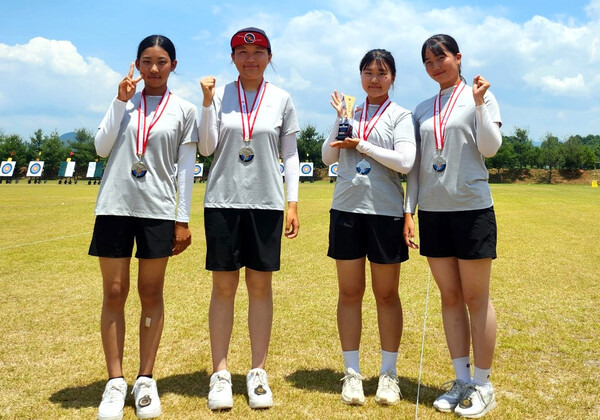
199,172
66,172
34,172
94,172
307,172
333,170
7,171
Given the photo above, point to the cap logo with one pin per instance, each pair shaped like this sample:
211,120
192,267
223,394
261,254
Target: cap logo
249,38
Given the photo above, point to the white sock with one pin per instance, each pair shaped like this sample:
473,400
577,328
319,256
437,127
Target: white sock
351,360
481,376
388,361
462,368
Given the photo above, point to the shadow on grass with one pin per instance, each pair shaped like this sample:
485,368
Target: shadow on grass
329,381
189,384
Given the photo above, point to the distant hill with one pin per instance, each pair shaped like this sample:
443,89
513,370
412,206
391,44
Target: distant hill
67,137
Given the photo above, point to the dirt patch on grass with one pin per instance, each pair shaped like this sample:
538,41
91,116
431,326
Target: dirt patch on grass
541,176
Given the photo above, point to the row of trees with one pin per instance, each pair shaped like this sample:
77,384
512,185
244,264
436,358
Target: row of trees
49,148
517,152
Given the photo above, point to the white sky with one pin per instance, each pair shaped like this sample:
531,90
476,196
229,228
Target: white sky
61,61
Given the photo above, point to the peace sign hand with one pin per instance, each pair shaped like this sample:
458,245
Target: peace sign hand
128,85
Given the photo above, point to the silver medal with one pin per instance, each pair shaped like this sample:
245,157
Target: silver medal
246,154
139,169
363,167
439,163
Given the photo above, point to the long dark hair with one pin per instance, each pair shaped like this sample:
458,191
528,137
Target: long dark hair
157,40
438,45
380,57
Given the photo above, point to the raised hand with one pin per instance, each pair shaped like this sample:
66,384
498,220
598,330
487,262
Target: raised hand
480,86
128,85
208,89
337,102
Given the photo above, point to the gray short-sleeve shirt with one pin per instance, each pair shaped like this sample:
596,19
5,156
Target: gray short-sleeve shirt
256,184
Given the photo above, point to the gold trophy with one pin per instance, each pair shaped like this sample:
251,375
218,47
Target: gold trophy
345,128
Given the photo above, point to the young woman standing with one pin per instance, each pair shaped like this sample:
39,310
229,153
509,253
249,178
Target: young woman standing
247,124
144,135
366,221
456,130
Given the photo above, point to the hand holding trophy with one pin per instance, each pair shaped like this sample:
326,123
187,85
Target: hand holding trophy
346,104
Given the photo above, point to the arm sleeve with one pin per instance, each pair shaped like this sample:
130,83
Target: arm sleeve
208,135
402,157
291,165
412,179
185,180
330,155
109,128
489,138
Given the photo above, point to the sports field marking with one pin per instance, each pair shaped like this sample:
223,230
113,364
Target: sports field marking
45,240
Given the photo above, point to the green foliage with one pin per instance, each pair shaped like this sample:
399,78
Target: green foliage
83,149
54,151
309,146
551,154
12,146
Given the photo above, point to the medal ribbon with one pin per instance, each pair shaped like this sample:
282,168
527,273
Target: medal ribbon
143,128
249,119
365,127
439,127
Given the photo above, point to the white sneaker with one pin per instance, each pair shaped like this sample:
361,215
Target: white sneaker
388,391
447,402
113,400
145,394
259,393
476,401
352,388
220,395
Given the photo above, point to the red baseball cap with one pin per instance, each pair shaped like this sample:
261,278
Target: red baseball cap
250,35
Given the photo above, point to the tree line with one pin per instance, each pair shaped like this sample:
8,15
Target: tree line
518,151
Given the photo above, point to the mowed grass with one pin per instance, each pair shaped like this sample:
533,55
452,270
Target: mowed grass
545,287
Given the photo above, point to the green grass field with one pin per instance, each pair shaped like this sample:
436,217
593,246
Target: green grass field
545,286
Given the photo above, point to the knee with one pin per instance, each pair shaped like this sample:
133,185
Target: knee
388,297
260,291
151,295
351,295
477,303
452,298
115,296
223,292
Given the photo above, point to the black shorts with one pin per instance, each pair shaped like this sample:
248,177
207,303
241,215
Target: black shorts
237,238
355,235
467,235
113,237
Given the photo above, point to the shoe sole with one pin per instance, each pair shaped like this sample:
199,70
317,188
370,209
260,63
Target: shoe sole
353,401
221,406
385,401
117,417
486,410
444,409
151,415
267,404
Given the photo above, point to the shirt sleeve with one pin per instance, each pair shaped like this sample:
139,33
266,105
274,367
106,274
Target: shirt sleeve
402,157
489,138
291,165
412,179
330,155
185,180
109,128
208,135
